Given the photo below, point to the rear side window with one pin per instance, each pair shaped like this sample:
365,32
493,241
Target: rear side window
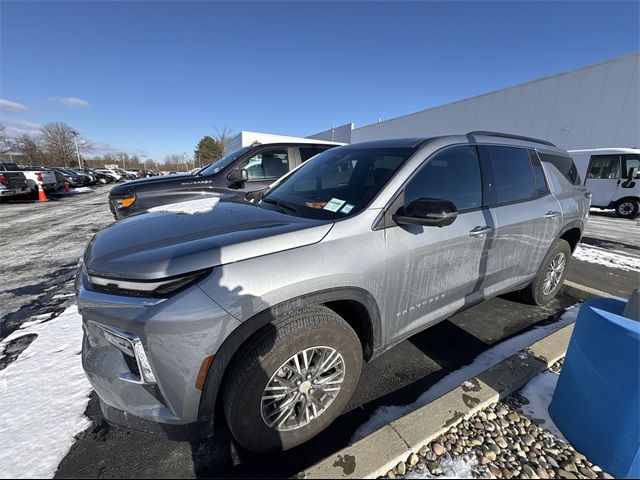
513,174
307,152
630,161
453,175
564,164
538,174
603,167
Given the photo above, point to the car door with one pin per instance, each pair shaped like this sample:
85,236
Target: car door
603,178
435,271
527,216
266,166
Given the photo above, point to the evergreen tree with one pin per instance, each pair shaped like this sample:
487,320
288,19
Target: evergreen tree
207,151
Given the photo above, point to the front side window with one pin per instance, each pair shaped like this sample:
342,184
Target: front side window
336,183
604,167
512,173
267,165
630,161
453,175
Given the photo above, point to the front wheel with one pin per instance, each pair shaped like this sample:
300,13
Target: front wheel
628,208
548,280
292,379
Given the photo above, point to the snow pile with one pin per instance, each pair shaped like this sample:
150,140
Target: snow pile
539,392
43,397
190,207
459,467
608,258
73,191
485,360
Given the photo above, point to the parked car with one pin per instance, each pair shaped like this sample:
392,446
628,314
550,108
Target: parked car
37,177
250,168
611,175
111,173
101,178
268,309
74,179
12,184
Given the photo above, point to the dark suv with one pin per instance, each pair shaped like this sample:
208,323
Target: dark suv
248,169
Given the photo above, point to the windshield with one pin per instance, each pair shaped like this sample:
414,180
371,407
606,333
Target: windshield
336,183
223,162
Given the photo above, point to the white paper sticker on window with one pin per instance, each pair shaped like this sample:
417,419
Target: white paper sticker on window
347,208
334,204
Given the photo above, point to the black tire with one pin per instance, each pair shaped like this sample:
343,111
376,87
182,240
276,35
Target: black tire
262,356
628,208
534,293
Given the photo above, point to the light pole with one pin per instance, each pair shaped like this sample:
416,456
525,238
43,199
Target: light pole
75,138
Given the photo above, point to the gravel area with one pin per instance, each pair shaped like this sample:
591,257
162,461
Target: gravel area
498,442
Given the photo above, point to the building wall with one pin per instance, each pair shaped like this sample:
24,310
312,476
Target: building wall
341,134
594,106
246,138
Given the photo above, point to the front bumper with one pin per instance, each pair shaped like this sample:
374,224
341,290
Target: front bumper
177,335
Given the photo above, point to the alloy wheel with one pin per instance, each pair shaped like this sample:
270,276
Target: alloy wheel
554,273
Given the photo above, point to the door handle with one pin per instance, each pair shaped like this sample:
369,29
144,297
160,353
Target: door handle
480,231
552,214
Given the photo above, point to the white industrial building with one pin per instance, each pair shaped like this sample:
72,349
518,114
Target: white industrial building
597,106
246,138
591,107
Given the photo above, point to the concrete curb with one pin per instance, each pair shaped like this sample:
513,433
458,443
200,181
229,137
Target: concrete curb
379,452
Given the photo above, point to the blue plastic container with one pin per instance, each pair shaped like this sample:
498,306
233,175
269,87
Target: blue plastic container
596,404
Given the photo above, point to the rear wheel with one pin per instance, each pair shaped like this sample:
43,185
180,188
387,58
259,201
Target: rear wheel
548,281
292,379
627,208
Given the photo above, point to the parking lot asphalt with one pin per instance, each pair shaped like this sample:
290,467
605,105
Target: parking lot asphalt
40,253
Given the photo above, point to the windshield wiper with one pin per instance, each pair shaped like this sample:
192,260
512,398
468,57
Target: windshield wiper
281,205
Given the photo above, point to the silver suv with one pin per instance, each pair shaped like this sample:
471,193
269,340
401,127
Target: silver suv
264,307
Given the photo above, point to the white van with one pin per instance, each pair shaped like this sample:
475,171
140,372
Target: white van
611,175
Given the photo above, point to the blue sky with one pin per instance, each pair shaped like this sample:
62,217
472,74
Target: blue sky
157,76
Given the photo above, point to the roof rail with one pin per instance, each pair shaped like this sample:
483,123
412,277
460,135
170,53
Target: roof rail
509,135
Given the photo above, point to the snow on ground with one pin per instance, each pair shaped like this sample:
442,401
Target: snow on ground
608,258
43,397
459,467
487,359
539,392
201,205
73,191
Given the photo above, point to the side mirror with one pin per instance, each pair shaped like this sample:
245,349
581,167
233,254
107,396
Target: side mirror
236,177
430,212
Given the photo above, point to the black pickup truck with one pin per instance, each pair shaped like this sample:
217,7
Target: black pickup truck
11,184
251,168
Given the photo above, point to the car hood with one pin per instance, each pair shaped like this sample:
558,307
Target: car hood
146,182
166,243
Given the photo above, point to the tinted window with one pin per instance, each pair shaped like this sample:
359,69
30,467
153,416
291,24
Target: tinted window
307,152
512,173
604,167
337,182
267,165
538,174
564,164
630,161
453,175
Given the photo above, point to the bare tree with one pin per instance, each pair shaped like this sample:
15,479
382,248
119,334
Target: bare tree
59,143
6,142
224,135
29,148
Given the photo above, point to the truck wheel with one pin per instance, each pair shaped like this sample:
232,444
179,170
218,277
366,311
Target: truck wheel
627,208
291,379
548,280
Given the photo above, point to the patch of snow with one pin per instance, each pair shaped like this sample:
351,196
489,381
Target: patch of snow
485,360
459,467
539,392
43,397
608,258
190,207
73,191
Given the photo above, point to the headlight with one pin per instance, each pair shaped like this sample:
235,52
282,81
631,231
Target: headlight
146,288
126,201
